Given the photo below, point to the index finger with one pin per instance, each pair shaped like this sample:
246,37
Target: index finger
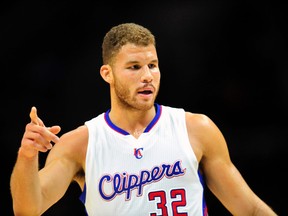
33,115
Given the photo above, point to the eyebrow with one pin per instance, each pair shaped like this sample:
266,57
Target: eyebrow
136,62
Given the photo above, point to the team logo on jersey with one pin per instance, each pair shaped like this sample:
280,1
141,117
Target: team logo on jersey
138,153
112,185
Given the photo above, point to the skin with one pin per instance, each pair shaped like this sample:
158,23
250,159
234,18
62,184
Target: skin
134,80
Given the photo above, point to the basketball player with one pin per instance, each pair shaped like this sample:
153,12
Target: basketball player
137,158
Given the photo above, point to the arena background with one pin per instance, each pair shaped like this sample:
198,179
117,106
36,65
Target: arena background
227,59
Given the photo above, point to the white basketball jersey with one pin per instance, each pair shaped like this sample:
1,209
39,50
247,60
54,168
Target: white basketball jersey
156,174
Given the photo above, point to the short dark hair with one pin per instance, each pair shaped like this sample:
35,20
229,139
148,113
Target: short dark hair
122,34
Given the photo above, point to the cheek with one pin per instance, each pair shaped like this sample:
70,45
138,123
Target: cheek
126,82
157,77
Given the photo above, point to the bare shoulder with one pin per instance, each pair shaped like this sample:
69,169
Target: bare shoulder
198,123
204,135
72,146
197,118
76,136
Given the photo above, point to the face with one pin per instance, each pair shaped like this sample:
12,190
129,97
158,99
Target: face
136,77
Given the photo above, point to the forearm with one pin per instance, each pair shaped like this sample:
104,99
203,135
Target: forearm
264,210
25,186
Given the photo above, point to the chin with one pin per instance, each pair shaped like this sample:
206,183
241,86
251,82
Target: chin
144,105
148,105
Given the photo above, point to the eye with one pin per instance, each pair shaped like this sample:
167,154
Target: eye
151,66
135,67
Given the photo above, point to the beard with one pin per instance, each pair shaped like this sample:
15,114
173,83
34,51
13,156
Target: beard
124,98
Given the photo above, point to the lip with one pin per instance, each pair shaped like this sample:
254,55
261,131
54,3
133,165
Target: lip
146,89
146,92
145,97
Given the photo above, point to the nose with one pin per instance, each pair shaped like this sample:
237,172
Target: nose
146,75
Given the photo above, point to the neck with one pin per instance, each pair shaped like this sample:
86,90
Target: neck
132,121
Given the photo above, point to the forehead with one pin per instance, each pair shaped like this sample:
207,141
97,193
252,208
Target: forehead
132,52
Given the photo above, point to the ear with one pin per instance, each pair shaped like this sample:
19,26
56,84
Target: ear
106,73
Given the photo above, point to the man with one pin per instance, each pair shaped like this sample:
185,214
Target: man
139,157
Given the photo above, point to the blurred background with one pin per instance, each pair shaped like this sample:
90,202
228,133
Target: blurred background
227,59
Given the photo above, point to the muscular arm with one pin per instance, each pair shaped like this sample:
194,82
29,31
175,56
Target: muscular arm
220,174
34,191
25,186
64,163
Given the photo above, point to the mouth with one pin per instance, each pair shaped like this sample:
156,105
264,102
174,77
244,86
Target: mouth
145,92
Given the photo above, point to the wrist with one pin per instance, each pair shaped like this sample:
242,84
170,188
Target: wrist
27,153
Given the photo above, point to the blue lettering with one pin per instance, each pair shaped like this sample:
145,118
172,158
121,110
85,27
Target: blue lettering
127,183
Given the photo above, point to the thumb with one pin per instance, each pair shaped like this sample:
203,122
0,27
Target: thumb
33,115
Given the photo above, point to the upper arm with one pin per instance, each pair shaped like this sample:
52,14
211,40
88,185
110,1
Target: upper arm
220,174
65,160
